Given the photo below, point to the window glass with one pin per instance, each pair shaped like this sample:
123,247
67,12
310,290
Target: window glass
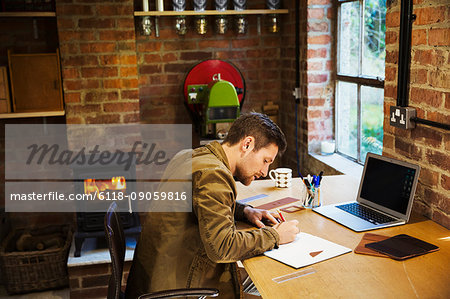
349,38
374,50
347,119
371,120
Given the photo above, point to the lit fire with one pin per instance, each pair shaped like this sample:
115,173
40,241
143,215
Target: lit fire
96,185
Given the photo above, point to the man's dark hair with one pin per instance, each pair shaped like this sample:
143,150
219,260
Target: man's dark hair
261,127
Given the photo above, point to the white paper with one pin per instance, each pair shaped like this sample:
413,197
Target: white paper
297,254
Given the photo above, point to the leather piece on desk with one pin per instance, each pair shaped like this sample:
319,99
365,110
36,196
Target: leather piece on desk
277,203
370,238
292,209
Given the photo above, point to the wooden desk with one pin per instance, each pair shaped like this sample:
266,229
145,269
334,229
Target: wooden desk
351,275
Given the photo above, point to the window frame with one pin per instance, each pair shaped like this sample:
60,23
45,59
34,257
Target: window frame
359,80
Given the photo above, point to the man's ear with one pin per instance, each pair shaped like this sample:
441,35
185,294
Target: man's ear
248,143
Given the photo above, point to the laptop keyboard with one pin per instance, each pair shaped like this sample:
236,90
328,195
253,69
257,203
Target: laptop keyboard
365,213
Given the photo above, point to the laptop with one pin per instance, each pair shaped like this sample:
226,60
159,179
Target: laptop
385,196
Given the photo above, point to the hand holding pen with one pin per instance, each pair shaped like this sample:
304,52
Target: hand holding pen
287,230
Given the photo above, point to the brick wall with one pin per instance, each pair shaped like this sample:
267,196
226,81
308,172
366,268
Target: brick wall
315,110
430,95
98,61
91,281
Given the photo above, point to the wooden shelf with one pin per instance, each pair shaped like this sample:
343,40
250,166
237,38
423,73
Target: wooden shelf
31,114
28,14
210,12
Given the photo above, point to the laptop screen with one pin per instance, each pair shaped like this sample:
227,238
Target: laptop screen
387,184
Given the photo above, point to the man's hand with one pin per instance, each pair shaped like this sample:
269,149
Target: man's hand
257,216
287,231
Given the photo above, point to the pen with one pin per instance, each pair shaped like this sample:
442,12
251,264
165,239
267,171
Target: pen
281,215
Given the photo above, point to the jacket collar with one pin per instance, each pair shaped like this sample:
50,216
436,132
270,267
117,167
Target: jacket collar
217,150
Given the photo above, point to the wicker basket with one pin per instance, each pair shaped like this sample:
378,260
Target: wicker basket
34,270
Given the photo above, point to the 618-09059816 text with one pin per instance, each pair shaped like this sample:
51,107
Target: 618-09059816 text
102,195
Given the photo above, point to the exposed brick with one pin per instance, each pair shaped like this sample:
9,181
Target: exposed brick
70,73
101,96
116,35
319,39
195,55
317,78
438,159
128,71
73,97
149,47
217,44
125,23
121,107
317,27
129,94
90,72
391,37
112,83
315,13
97,47
75,36
75,9
401,146
179,45
318,2
419,76
79,60
103,119
419,37
110,59
128,59
94,281
439,36
428,96
439,78
177,67
114,10
390,73
96,23
429,15
391,57
150,69
317,53
429,177
315,66
393,19
131,118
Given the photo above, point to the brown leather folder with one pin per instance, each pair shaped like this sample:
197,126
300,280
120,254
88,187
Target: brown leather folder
370,238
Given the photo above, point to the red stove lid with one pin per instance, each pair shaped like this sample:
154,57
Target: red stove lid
203,73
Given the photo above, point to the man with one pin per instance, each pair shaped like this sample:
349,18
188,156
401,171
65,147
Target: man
200,248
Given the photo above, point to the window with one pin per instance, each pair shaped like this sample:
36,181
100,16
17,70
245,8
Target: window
360,77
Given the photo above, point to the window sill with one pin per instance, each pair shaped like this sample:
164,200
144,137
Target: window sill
341,164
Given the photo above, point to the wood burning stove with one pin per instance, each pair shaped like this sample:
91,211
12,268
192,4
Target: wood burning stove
101,185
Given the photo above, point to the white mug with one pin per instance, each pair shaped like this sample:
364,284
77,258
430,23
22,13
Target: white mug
282,177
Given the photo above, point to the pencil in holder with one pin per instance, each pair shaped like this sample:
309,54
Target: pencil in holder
312,198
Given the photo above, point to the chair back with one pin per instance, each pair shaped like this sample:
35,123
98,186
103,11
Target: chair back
116,243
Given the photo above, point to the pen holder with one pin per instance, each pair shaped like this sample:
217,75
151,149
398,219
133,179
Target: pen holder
312,198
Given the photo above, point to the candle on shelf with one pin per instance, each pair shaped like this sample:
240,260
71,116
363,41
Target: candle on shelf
145,5
327,147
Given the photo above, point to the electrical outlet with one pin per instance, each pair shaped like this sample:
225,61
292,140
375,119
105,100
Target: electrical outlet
400,117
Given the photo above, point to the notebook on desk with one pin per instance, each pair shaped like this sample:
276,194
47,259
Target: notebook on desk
385,196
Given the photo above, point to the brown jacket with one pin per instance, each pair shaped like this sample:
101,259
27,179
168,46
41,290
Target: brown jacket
200,248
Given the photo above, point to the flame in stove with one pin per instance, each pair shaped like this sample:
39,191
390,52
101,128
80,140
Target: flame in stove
117,183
